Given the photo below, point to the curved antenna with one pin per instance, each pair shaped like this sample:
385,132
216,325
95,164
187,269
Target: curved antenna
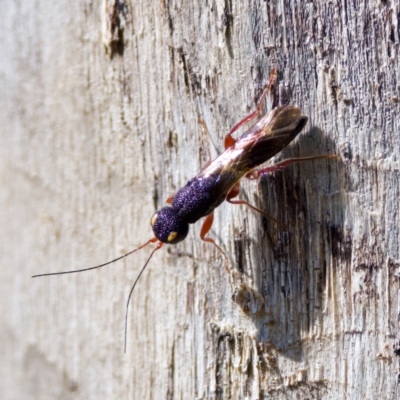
153,240
133,287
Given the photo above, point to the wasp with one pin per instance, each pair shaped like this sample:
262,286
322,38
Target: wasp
219,180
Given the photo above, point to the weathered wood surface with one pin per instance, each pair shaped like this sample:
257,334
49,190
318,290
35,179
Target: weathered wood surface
99,124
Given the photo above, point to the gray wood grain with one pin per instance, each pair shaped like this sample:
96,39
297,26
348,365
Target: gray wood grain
99,109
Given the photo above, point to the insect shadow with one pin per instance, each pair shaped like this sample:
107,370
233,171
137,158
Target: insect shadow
292,261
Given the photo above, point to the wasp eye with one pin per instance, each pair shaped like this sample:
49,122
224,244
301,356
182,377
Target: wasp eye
154,219
172,236
168,227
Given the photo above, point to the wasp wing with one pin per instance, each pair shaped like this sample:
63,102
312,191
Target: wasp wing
257,145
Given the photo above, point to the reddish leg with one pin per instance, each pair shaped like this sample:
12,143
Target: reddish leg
229,140
170,199
205,229
283,164
235,192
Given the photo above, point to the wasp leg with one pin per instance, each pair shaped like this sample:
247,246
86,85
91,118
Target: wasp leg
283,164
205,229
229,140
170,199
235,192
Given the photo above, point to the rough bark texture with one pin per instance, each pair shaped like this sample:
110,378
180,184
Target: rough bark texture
99,108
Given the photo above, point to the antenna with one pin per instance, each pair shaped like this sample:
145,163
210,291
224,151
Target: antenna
133,287
153,240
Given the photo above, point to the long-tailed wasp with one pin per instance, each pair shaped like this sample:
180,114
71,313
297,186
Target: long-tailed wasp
219,180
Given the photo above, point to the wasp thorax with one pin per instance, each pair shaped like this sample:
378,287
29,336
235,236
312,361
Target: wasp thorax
168,227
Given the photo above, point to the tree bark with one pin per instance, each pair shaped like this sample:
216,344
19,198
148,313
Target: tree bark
107,108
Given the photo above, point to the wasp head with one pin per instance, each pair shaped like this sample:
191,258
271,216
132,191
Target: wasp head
168,227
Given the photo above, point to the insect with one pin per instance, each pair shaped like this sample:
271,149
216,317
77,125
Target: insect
219,181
